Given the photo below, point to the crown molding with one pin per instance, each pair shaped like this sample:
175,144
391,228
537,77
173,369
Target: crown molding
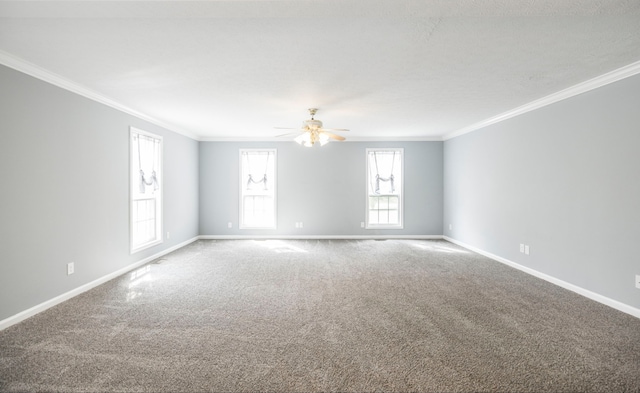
591,84
349,139
33,70
396,139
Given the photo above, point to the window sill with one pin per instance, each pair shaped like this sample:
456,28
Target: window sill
146,245
384,226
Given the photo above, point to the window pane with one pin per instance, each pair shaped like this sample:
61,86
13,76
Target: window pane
258,211
144,221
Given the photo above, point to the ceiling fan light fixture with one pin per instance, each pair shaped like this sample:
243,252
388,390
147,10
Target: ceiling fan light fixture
313,132
304,139
324,138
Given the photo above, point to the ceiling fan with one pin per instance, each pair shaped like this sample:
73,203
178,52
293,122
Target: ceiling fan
313,132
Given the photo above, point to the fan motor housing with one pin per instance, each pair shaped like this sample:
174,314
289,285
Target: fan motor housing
312,124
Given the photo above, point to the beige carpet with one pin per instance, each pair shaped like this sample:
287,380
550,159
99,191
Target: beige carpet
300,316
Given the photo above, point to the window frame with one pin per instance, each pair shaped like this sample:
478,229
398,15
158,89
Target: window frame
272,179
159,197
400,224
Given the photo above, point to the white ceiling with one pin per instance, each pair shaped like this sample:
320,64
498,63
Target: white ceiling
398,69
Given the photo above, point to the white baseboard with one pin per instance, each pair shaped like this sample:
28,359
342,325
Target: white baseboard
21,316
317,237
5,323
574,288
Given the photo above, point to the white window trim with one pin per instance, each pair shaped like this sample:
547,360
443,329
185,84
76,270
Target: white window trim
133,156
400,224
275,189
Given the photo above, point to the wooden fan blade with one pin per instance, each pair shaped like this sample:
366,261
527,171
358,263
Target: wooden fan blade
335,129
333,136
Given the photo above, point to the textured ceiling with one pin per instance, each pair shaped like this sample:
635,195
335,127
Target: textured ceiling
400,69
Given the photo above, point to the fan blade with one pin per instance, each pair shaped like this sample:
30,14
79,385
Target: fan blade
334,136
287,134
335,129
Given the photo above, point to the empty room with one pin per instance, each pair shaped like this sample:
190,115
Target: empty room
310,196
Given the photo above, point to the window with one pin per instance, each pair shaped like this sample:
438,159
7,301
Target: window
384,188
257,188
146,190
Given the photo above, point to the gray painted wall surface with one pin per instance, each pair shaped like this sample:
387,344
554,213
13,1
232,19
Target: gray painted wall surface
563,179
322,187
64,170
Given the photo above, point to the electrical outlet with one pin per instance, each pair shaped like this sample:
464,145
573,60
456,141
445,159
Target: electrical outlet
168,235
301,226
70,268
526,249
638,281
229,225
521,247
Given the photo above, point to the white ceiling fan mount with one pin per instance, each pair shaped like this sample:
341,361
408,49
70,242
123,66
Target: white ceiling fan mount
312,123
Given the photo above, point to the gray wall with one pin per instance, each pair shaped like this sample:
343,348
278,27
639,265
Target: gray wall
323,187
64,170
563,179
